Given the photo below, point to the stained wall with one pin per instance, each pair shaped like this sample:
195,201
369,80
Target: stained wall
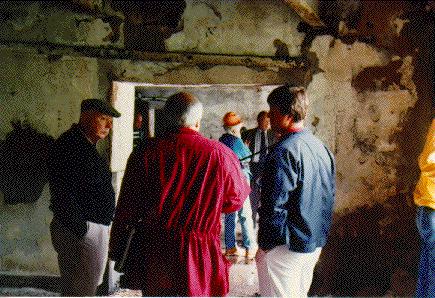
369,79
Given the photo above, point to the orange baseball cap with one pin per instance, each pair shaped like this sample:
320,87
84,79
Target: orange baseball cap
231,119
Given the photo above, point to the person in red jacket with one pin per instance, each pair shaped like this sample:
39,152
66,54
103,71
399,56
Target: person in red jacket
178,184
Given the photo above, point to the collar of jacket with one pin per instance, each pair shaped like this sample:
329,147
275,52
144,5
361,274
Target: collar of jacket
78,131
185,130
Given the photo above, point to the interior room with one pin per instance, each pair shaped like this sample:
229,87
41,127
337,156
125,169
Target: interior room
367,67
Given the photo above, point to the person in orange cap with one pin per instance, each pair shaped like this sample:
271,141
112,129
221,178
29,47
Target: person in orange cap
232,124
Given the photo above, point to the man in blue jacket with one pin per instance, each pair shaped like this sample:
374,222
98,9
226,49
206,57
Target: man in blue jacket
298,192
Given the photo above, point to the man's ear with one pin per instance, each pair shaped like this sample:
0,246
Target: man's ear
288,119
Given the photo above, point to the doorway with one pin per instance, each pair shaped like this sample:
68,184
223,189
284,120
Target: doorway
130,98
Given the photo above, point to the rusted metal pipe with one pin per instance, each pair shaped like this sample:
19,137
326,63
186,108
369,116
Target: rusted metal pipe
56,51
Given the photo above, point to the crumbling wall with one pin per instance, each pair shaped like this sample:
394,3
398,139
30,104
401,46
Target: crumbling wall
57,22
372,64
237,28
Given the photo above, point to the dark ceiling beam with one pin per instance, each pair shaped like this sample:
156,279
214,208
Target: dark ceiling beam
57,51
98,9
89,5
306,12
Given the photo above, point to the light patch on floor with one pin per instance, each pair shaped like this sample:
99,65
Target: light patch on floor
8,292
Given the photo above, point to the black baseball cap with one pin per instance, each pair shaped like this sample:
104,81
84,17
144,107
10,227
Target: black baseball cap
99,105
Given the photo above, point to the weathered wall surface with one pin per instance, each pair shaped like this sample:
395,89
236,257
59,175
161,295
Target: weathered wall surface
55,22
372,67
46,96
364,121
239,29
369,83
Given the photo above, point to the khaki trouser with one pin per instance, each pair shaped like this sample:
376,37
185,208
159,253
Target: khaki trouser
81,260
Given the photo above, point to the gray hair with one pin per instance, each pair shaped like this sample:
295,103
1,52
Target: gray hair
183,110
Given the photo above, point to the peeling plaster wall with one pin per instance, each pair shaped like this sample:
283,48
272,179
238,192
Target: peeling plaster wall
25,237
237,27
49,21
370,92
377,71
46,95
363,123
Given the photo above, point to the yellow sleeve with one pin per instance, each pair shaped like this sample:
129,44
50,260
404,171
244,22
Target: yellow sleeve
424,193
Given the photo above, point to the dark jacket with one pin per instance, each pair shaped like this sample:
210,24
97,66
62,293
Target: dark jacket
298,192
249,138
80,182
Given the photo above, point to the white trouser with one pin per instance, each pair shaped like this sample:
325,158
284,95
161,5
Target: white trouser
81,260
285,273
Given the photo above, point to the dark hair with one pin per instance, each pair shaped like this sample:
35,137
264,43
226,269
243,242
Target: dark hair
290,101
262,114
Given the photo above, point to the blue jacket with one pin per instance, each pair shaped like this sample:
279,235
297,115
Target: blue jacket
240,149
298,192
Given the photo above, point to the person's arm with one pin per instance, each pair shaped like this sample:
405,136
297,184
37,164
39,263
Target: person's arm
279,180
247,138
128,209
236,187
63,170
424,193
244,150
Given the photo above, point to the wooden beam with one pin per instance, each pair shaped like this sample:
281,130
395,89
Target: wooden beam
306,12
56,51
90,5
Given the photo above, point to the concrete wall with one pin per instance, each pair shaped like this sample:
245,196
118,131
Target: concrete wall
369,82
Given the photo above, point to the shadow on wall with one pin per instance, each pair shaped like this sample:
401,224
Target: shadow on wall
370,252
23,163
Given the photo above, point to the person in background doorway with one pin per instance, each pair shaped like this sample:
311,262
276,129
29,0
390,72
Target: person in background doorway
424,198
138,122
178,184
258,139
232,139
297,197
82,200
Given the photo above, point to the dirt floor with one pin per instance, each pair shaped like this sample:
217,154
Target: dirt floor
243,280
243,283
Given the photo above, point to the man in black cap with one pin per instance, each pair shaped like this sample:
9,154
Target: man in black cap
82,200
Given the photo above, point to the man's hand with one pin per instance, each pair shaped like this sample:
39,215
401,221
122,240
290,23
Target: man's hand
261,253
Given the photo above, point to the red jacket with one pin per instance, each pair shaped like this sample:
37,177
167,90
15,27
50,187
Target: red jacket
179,184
